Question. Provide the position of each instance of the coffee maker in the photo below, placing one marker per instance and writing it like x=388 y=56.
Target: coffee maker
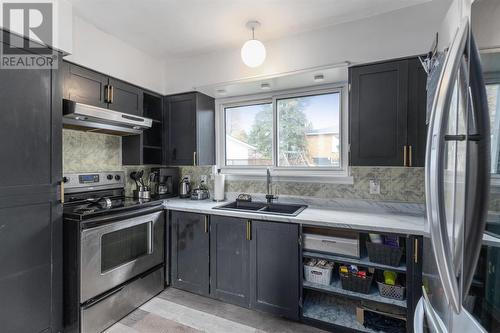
x=164 y=181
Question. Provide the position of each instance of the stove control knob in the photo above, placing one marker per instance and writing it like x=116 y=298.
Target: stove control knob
x=117 y=177
x=110 y=177
x=65 y=179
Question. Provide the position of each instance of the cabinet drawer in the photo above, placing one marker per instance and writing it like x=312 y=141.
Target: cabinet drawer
x=330 y=244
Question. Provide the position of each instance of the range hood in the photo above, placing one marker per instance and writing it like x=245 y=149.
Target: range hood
x=90 y=118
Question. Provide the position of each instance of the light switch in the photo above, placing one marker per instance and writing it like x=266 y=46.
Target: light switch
x=374 y=186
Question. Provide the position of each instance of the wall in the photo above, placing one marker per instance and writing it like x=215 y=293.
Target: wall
x=486 y=23
x=102 y=52
x=404 y=32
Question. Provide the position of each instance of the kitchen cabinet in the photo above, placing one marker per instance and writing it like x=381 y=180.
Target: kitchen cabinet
x=86 y=86
x=190 y=127
x=146 y=148
x=30 y=206
x=125 y=97
x=254 y=264
x=190 y=252
x=230 y=259
x=387 y=114
x=417 y=113
x=274 y=268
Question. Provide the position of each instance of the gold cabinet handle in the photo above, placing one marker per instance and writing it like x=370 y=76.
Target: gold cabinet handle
x=409 y=156
x=62 y=191
x=405 y=153
x=112 y=97
x=415 y=254
x=249 y=230
x=194 y=158
x=206 y=224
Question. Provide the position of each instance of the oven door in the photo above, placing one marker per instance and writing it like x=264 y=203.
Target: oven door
x=115 y=252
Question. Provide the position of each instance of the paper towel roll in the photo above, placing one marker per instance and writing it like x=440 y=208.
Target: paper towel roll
x=219 y=187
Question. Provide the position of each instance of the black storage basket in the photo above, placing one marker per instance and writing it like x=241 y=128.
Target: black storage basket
x=384 y=254
x=356 y=283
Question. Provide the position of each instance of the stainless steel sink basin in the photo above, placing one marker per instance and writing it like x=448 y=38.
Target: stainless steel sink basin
x=264 y=208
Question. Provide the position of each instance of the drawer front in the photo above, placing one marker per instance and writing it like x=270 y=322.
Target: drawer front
x=335 y=245
x=104 y=313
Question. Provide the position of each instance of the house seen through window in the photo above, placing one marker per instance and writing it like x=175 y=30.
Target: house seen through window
x=297 y=131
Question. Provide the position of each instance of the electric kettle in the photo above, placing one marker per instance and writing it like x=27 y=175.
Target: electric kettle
x=185 y=188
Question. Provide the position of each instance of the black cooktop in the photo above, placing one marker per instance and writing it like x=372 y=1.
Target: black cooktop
x=85 y=209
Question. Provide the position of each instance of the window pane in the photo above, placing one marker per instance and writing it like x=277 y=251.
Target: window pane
x=308 y=131
x=493 y=92
x=249 y=135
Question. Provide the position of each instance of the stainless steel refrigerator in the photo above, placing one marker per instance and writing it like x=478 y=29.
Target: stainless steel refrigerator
x=460 y=284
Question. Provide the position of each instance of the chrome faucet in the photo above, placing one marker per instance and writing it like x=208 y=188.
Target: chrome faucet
x=270 y=196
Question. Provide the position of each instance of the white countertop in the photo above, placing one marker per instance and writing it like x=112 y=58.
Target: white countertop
x=316 y=216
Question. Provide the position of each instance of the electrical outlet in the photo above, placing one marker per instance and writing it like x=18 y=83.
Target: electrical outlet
x=203 y=178
x=188 y=177
x=374 y=186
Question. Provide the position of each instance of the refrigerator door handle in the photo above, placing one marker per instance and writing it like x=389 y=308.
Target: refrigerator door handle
x=434 y=172
x=478 y=168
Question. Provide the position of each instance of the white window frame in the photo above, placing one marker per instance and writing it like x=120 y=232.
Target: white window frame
x=296 y=174
x=493 y=78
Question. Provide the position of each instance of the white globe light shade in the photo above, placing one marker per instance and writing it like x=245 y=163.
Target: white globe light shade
x=253 y=53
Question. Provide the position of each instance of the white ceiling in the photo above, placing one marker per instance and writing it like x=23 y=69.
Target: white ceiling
x=179 y=28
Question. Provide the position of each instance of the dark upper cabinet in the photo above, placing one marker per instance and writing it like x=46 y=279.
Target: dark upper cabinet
x=84 y=86
x=125 y=97
x=387 y=123
x=230 y=260
x=190 y=252
x=417 y=113
x=30 y=207
x=274 y=267
x=190 y=127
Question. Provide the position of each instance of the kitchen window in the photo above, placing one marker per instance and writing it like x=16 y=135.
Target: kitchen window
x=298 y=134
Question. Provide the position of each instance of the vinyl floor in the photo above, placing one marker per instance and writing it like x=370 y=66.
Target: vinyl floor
x=176 y=311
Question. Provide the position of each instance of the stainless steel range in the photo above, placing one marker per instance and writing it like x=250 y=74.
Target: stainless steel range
x=113 y=251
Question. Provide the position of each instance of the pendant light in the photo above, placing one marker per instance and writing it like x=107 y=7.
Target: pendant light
x=253 y=52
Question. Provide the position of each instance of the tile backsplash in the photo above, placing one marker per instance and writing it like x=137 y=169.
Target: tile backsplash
x=91 y=152
x=396 y=184
x=85 y=151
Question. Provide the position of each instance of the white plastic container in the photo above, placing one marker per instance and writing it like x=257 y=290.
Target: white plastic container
x=318 y=275
x=330 y=244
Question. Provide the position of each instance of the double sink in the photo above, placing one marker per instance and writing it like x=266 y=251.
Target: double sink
x=263 y=208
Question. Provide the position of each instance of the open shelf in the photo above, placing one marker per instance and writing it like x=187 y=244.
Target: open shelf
x=365 y=262
x=332 y=311
x=335 y=288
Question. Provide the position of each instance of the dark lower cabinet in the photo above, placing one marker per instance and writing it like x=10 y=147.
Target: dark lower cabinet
x=254 y=264
x=30 y=209
x=230 y=260
x=274 y=267
x=190 y=252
